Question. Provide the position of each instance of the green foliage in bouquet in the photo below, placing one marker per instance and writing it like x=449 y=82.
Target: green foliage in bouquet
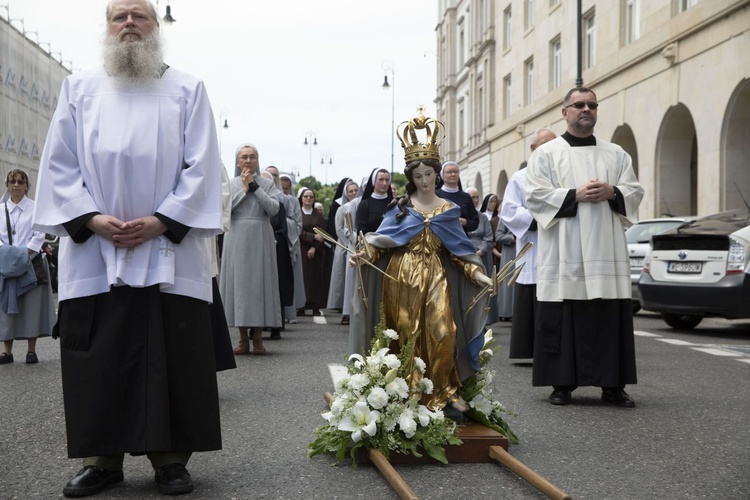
x=479 y=394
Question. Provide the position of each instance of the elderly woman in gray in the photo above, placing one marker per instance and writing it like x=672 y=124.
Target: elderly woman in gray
x=248 y=280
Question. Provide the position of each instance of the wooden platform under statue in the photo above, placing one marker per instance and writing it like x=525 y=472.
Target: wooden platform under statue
x=476 y=448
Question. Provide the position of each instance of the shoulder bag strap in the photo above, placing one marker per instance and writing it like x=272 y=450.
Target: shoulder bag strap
x=7 y=222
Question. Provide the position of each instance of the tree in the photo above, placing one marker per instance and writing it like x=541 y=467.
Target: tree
x=399 y=180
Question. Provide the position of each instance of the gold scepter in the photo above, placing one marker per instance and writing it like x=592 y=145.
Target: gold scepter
x=506 y=271
x=330 y=238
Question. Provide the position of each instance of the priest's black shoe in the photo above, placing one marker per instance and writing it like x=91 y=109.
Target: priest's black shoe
x=617 y=397
x=560 y=397
x=173 y=479
x=91 y=480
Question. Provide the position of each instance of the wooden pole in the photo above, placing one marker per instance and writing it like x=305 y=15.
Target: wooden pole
x=384 y=466
x=537 y=481
x=389 y=473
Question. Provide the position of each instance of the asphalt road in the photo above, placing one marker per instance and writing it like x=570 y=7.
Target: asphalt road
x=687 y=438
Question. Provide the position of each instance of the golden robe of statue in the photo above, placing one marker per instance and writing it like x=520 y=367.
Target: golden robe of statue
x=419 y=301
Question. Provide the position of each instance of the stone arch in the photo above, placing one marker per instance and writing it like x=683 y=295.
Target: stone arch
x=479 y=185
x=676 y=163
x=625 y=138
x=735 y=149
x=502 y=183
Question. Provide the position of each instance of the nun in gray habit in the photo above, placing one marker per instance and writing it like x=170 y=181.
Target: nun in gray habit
x=249 y=280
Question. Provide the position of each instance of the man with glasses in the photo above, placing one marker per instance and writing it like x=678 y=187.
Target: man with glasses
x=582 y=192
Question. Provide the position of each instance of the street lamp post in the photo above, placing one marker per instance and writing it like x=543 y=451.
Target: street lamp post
x=388 y=67
x=326 y=160
x=168 y=16
x=313 y=141
x=223 y=114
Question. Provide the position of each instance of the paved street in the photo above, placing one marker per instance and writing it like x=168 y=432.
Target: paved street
x=688 y=437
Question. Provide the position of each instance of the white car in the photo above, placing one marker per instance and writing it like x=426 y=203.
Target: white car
x=638 y=237
x=698 y=270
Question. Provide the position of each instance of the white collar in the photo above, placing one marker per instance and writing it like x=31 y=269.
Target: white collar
x=304 y=211
x=379 y=196
x=450 y=190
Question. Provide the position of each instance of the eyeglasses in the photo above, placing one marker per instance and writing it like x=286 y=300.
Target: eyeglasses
x=308 y=196
x=248 y=157
x=583 y=104
x=17 y=181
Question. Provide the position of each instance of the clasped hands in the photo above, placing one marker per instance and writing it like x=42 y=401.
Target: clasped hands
x=247 y=179
x=126 y=234
x=594 y=191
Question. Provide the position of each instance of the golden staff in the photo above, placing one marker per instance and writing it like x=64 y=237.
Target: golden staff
x=506 y=271
x=330 y=238
x=352 y=236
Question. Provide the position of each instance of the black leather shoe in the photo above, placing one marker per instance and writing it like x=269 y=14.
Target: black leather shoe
x=560 y=397
x=31 y=358
x=275 y=334
x=6 y=358
x=617 y=397
x=173 y=479
x=91 y=480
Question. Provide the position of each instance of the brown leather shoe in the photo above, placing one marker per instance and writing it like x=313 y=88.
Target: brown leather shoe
x=258 y=347
x=242 y=348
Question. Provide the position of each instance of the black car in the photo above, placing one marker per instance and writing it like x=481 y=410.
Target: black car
x=698 y=270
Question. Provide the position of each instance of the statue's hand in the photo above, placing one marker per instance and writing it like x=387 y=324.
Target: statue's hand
x=482 y=278
x=356 y=257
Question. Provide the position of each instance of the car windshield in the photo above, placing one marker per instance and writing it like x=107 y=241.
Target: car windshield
x=643 y=231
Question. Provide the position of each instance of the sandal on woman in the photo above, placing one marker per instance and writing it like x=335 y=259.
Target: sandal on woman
x=345 y=320
x=242 y=348
x=258 y=347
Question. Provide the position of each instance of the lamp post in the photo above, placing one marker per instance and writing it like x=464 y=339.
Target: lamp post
x=326 y=160
x=223 y=114
x=168 y=16
x=310 y=141
x=388 y=67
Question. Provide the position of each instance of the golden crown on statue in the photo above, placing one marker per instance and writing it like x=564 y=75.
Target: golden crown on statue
x=413 y=148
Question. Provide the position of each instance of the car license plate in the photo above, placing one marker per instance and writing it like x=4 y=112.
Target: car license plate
x=684 y=267
x=636 y=261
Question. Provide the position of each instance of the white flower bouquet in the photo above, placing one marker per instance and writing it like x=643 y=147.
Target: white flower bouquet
x=374 y=407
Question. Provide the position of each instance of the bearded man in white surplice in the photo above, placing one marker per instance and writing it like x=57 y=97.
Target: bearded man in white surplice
x=129 y=180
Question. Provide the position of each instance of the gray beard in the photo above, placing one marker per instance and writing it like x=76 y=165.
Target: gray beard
x=134 y=64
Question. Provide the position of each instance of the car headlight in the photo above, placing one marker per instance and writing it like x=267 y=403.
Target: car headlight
x=736 y=257
x=647 y=259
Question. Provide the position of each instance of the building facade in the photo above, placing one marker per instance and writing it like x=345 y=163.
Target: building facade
x=672 y=78
x=30 y=81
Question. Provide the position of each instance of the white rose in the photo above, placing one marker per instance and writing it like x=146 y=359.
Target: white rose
x=426 y=386
x=377 y=398
x=392 y=361
x=359 y=381
x=407 y=424
x=420 y=364
x=398 y=387
x=391 y=334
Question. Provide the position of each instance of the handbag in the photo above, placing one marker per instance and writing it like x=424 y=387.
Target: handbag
x=40 y=270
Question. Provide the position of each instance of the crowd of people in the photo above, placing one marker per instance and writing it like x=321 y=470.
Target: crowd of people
x=161 y=253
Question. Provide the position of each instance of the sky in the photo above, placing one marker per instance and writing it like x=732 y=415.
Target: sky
x=280 y=71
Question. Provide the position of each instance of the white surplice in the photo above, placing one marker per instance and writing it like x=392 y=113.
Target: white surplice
x=518 y=219
x=129 y=153
x=582 y=257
